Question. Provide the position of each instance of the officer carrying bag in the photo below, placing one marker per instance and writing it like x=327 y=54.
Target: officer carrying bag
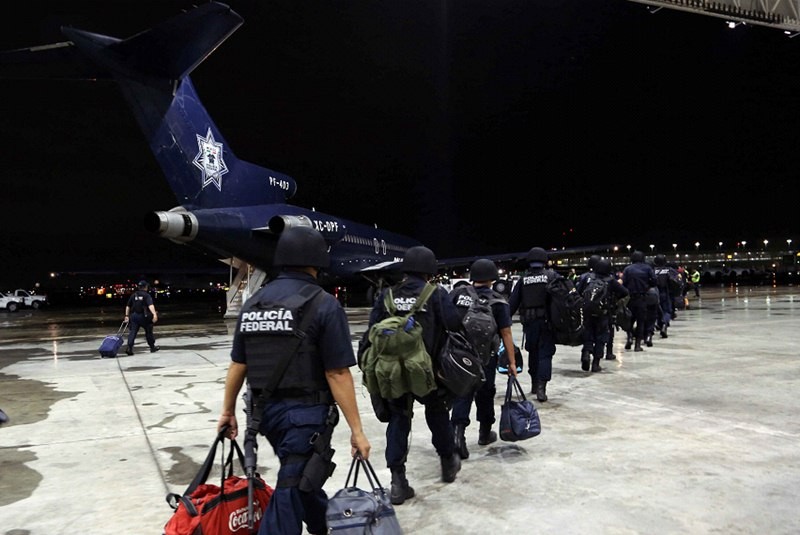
x=285 y=322
x=396 y=361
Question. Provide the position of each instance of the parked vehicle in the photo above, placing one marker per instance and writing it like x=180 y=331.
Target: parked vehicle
x=10 y=302
x=29 y=299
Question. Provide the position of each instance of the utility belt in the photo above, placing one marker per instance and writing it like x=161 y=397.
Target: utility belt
x=303 y=396
x=528 y=314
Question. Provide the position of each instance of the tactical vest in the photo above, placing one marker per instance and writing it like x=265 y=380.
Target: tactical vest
x=271 y=333
x=662 y=277
x=138 y=305
x=534 y=289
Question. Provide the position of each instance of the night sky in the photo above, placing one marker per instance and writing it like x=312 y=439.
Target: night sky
x=476 y=127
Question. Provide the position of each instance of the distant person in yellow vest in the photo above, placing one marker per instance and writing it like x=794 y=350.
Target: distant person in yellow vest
x=696 y=282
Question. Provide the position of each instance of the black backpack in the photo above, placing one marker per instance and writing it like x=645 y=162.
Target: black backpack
x=480 y=325
x=596 y=300
x=565 y=312
x=459 y=368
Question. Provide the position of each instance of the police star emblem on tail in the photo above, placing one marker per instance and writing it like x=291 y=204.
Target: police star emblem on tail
x=209 y=160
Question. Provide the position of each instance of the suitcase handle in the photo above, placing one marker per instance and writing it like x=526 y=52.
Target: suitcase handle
x=122 y=328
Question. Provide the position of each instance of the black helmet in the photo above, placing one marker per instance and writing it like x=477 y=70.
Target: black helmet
x=592 y=263
x=660 y=260
x=143 y=284
x=602 y=266
x=419 y=259
x=637 y=256
x=302 y=246
x=483 y=270
x=538 y=256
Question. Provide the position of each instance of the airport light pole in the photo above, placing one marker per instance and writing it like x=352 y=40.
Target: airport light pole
x=674 y=247
x=652 y=247
x=696 y=245
x=765 y=244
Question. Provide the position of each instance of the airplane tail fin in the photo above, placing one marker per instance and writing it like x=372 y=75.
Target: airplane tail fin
x=152 y=69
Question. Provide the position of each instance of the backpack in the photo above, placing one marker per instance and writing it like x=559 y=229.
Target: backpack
x=396 y=361
x=623 y=317
x=675 y=283
x=480 y=326
x=565 y=312
x=459 y=367
x=595 y=296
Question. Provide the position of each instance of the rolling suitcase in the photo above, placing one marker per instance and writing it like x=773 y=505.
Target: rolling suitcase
x=113 y=342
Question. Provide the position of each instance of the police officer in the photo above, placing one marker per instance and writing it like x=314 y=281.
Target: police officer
x=666 y=299
x=529 y=296
x=301 y=407
x=586 y=351
x=482 y=273
x=141 y=312
x=596 y=327
x=437 y=315
x=638 y=277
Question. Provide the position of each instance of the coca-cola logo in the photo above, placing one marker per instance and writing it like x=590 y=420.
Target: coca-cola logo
x=238 y=518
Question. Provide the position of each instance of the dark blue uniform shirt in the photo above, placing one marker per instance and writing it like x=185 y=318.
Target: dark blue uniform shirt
x=328 y=331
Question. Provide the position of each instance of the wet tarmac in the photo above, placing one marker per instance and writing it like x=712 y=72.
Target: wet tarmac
x=697 y=434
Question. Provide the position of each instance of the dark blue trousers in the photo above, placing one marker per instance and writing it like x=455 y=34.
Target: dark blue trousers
x=139 y=320
x=437 y=416
x=289 y=427
x=541 y=346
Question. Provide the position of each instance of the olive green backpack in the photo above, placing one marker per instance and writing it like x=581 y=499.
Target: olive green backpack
x=396 y=361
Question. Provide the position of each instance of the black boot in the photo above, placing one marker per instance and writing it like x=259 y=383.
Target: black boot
x=638 y=345
x=628 y=343
x=610 y=355
x=541 y=390
x=450 y=467
x=129 y=351
x=664 y=331
x=401 y=490
x=486 y=435
x=584 y=360
x=649 y=340
x=461 y=442
x=596 y=364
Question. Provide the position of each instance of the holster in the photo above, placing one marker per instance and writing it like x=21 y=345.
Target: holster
x=320 y=466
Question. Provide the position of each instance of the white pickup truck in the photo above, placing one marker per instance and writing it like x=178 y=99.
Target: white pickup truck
x=9 y=302
x=28 y=299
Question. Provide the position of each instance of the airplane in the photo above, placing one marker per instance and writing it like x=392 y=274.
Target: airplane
x=228 y=207
x=780 y=14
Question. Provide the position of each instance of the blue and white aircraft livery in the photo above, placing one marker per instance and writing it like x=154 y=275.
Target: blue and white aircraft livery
x=227 y=207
